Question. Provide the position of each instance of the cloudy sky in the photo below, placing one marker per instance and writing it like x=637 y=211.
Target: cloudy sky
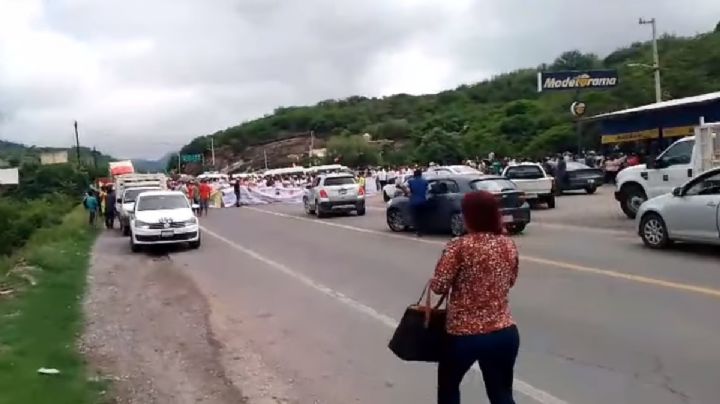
x=145 y=76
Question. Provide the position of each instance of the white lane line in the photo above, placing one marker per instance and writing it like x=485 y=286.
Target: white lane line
x=520 y=386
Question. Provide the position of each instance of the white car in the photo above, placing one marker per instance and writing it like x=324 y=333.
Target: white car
x=453 y=170
x=163 y=217
x=539 y=187
x=390 y=190
x=690 y=213
x=334 y=193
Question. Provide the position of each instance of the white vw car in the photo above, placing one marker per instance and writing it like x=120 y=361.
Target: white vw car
x=163 y=217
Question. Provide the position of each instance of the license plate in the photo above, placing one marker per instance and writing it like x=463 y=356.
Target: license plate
x=591 y=181
x=507 y=218
x=342 y=191
x=167 y=233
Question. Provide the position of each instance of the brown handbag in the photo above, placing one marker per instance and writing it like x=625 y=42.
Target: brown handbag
x=420 y=334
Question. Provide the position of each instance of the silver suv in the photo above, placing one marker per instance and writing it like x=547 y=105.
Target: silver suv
x=334 y=193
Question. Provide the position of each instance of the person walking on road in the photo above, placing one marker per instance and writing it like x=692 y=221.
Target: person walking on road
x=478 y=270
x=236 y=187
x=418 y=188
x=204 y=191
x=110 y=197
x=92 y=206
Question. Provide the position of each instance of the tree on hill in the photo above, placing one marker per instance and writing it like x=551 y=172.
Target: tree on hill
x=353 y=151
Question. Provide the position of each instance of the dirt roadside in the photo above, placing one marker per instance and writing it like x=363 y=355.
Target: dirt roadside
x=148 y=331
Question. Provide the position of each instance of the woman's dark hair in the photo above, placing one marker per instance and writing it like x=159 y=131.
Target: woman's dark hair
x=481 y=211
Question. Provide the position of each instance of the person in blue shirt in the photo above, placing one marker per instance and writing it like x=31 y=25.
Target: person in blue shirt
x=91 y=205
x=418 y=188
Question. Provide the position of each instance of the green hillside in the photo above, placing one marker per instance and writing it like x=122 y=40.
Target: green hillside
x=504 y=114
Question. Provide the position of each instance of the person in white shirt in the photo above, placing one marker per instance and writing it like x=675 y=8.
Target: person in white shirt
x=382 y=177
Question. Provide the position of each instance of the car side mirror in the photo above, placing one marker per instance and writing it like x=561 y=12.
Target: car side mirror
x=677 y=191
x=119 y=200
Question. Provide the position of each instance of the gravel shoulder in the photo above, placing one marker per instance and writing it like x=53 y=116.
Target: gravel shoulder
x=148 y=330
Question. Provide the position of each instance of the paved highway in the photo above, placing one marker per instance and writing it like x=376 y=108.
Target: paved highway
x=602 y=319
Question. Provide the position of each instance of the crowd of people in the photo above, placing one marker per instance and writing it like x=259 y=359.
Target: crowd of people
x=100 y=202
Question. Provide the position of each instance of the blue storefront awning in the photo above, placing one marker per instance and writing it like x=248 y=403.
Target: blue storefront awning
x=675 y=118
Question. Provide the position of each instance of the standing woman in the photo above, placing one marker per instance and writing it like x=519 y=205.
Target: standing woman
x=478 y=270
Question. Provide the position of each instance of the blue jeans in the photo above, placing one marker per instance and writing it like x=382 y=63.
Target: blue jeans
x=495 y=353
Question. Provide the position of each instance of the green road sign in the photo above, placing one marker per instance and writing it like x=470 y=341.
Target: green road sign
x=191 y=158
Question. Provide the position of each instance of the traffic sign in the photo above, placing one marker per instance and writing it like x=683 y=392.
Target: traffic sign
x=191 y=158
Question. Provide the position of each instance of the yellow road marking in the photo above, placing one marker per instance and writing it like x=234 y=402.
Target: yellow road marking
x=622 y=275
x=543 y=261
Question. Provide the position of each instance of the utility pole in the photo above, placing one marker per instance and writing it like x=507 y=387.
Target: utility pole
x=265 y=155
x=312 y=146
x=77 y=143
x=95 y=158
x=656 y=57
x=212 y=150
x=179 y=164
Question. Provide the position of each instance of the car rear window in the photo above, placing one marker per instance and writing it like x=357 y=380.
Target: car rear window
x=572 y=166
x=524 y=172
x=493 y=185
x=339 y=181
x=465 y=170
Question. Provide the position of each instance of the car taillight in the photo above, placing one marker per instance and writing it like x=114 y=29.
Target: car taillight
x=323 y=194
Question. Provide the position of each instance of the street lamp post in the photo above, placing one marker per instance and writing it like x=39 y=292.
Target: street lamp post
x=656 y=57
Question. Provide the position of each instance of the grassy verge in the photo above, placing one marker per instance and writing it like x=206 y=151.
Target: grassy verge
x=40 y=323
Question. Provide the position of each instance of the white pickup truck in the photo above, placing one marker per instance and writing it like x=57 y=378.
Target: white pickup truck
x=531 y=178
x=683 y=160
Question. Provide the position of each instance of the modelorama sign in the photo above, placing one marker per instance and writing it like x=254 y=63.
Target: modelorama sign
x=577 y=80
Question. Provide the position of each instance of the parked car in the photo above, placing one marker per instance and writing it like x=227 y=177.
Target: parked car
x=163 y=217
x=337 y=192
x=444 y=213
x=539 y=187
x=390 y=190
x=579 y=177
x=690 y=213
x=126 y=205
x=453 y=170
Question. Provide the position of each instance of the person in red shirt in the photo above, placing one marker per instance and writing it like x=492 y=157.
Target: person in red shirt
x=205 y=191
x=478 y=270
x=633 y=160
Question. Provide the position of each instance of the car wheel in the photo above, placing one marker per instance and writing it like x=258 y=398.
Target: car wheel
x=319 y=212
x=590 y=190
x=308 y=209
x=550 y=202
x=653 y=231
x=386 y=197
x=516 y=228
x=457 y=225
x=634 y=196
x=136 y=248
x=395 y=220
x=195 y=244
x=361 y=210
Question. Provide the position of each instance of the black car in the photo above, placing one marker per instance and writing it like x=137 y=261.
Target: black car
x=443 y=212
x=579 y=176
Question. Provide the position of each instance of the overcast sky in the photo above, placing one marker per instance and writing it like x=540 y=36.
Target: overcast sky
x=143 y=77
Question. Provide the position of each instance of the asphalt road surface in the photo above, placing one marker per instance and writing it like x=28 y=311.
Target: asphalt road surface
x=602 y=319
